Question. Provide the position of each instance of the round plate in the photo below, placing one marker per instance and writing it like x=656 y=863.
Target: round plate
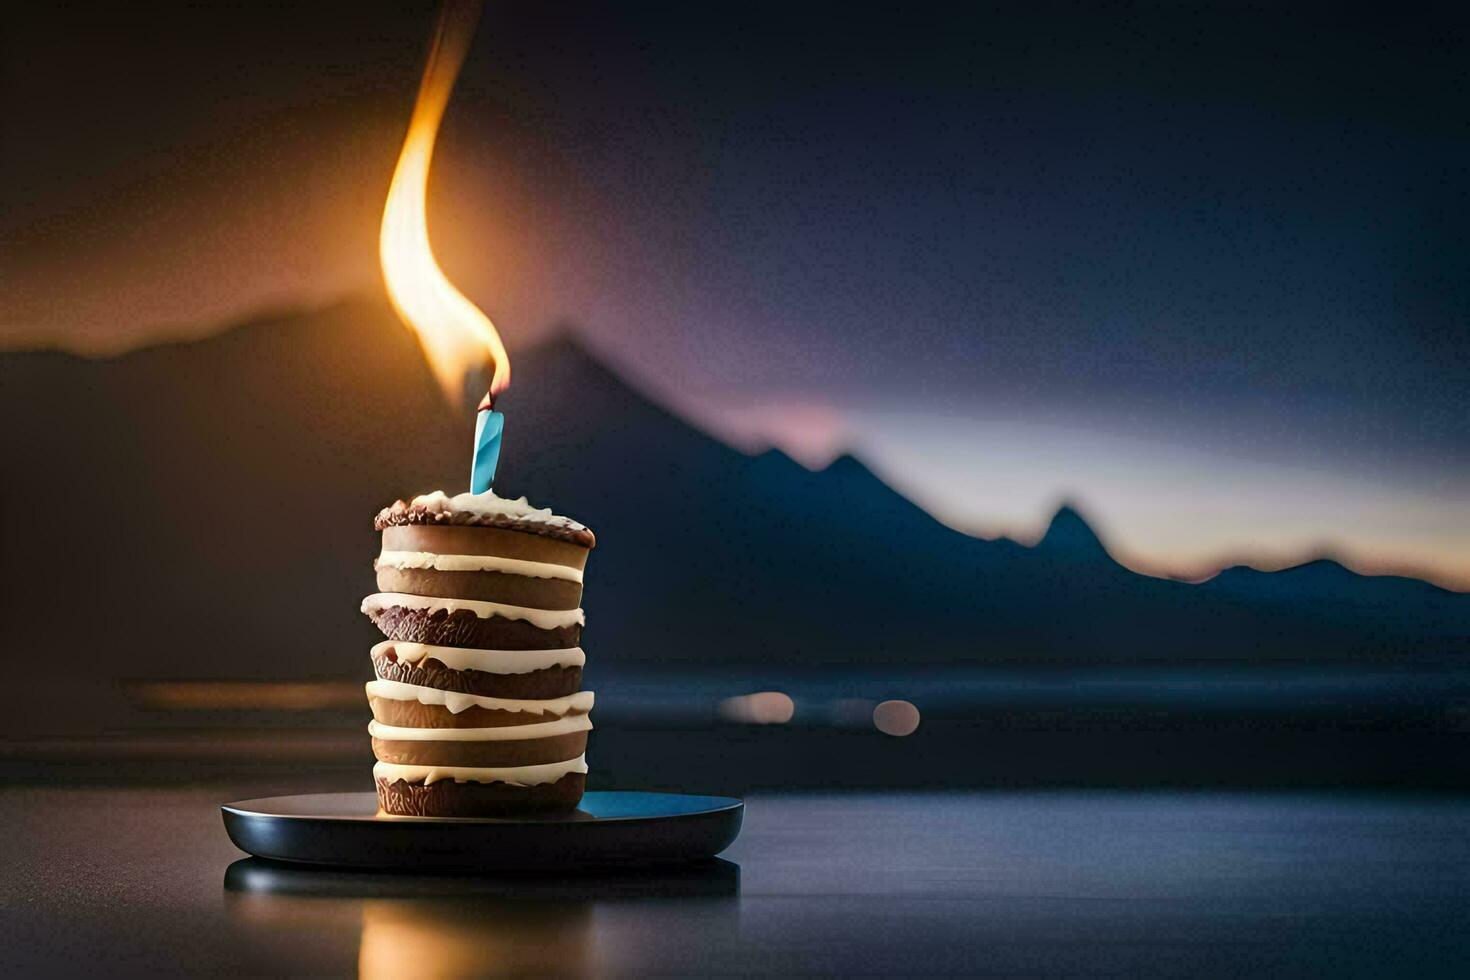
x=344 y=830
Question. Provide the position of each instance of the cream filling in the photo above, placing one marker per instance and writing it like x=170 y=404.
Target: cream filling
x=503 y=733
x=580 y=702
x=548 y=772
x=546 y=619
x=489 y=661
x=488 y=504
x=478 y=563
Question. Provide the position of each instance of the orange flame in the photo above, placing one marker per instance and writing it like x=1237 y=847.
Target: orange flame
x=456 y=336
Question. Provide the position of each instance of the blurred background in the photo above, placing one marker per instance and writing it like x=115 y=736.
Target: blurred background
x=1024 y=396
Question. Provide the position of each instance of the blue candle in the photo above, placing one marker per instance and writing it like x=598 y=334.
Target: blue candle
x=489 y=425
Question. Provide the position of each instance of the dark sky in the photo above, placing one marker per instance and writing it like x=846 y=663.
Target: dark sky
x=1204 y=269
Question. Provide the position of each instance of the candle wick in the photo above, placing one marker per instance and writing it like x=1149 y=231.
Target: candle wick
x=487 y=403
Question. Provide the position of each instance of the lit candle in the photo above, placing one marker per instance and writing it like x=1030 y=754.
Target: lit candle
x=455 y=334
x=489 y=424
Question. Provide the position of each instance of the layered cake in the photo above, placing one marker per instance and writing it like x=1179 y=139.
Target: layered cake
x=477 y=702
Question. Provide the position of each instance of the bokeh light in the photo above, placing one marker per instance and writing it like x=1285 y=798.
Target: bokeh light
x=898 y=718
x=760 y=708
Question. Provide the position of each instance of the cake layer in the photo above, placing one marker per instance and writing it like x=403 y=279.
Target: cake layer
x=417 y=714
x=496 y=587
x=545 y=619
x=483 y=510
x=431 y=621
x=552 y=682
x=547 y=709
x=478 y=754
x=495 y=733
x=513 y=775
x=476 y=563
x=524 y=674
x=493 y=542
x=448 y=798
x=487 y=661
x=410 y=706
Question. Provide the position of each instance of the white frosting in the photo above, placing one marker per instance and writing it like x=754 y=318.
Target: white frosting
x=502 y=733
x=488 y=504
x=490 y=661
x=546 y=619
x=478 y=563
x=580 y=702
x=548 y=772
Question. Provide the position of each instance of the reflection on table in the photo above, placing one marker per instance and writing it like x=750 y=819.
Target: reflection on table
x=456 y=926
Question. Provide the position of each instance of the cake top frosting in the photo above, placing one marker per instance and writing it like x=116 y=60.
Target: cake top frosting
x=484 y=510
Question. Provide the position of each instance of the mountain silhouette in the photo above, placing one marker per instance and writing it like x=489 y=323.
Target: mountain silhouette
x=1070 y=537
x=204 y=509
x=1323 y=579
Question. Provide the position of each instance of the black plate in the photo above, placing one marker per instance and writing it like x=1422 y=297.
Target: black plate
x=611 y=829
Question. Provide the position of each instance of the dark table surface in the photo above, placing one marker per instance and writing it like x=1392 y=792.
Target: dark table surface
x=128 y=880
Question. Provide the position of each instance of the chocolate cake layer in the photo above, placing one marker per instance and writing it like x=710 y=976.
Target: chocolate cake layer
x=513 y=590
x=441 y=539
x=537 y=685
x=402 y=513
x=447 y=798
x=463 y=628
x=516 y=752
x=415 y=714
x=496 y=585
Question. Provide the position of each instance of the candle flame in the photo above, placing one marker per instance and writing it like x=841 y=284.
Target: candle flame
x=455 y=335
